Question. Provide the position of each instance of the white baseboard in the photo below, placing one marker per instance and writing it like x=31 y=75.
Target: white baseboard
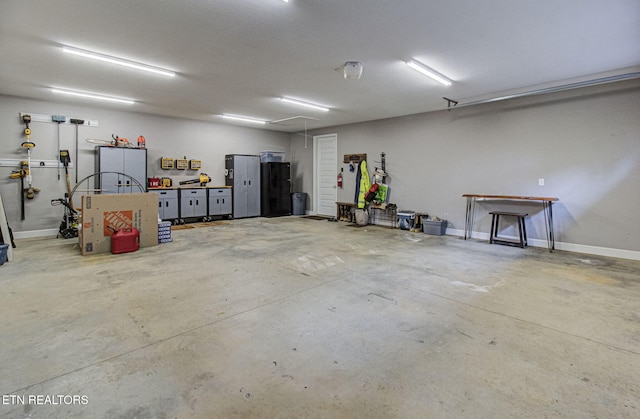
x=600 y=251
x=35 y=233
x=569 y=247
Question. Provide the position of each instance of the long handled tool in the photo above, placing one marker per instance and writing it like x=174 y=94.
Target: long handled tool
x=66 y=159
x=25 y=168
x=76 y=122
x=30 y=191
x=58 y=119
x=21 y=174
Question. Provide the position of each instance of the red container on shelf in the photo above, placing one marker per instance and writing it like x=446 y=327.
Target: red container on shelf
x=153 y=182
x=125 y=240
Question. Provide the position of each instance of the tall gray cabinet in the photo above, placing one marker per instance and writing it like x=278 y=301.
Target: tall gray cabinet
x=118 y=161
x=242 y=172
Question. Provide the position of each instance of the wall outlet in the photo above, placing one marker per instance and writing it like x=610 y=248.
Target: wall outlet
x=540 y=182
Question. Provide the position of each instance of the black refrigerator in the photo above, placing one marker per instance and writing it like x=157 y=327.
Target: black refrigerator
x=275 y=189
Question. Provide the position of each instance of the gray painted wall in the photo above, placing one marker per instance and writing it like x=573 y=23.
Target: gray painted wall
x=168 y=137
x=585 y=144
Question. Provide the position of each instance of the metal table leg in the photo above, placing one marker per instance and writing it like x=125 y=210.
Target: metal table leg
x=548 y=215
x=469 y=216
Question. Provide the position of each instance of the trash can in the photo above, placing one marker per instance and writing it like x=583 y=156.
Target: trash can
x=299 y=203
x=3 y=253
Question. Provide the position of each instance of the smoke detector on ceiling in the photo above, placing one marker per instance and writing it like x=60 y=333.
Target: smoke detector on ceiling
x=352 y=70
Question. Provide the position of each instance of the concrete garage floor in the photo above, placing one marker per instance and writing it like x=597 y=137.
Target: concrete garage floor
x=300 y=318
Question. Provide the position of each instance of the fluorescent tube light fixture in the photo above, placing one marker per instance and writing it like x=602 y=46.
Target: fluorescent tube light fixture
x=243 y=118
x=92 y=96
x=119 y=61
x=305 y=104
x=424 y=70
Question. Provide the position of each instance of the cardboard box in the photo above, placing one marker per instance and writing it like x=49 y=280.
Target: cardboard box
x=139 y=210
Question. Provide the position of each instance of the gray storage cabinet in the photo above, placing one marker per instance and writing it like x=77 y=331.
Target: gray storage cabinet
x=129 y=161
x=168 y=204
x=242 y=172
x=193 y=203
x=220 y=201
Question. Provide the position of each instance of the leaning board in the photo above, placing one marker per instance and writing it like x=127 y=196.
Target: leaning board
x=4 y=227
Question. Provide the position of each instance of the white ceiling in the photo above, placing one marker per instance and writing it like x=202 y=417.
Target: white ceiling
x=239 y=57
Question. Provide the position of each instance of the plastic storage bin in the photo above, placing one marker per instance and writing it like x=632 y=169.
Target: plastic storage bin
x=271 y=157
x=406 y=219
x=3 y=253
x=436 y=228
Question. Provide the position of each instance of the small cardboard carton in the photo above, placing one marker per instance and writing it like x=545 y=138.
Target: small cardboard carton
x=99 y=212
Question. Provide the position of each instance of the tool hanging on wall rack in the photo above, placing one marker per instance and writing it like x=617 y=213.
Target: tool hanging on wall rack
x=76 y=122
x=25 y=167
x=65 y=159
x=24 y=172
x=58 y=119
x=380 y=175
x=30 y=192
x=21 y=174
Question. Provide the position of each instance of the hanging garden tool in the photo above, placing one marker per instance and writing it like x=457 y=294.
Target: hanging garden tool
x=58 y=119
x=76 y=122
x=65 y=159
x=30 y=191
x=21 y=174
x=69 y=224
x=24 y=172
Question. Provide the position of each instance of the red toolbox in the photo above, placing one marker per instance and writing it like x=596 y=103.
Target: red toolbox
x=125 y=240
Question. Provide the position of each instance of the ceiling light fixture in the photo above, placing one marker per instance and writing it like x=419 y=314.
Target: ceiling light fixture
x=243 y=118
x=352 y=70
x=423 y=69
x=305 y=104
x=119 y=61
x=92 y=96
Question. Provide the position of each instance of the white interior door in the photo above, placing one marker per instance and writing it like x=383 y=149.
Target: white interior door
x=325 y=149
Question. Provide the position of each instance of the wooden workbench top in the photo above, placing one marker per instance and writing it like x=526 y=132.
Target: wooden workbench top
x=525 y=198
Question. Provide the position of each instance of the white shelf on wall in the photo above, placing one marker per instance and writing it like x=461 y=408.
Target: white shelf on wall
x=36 y=117
x=35 y=163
